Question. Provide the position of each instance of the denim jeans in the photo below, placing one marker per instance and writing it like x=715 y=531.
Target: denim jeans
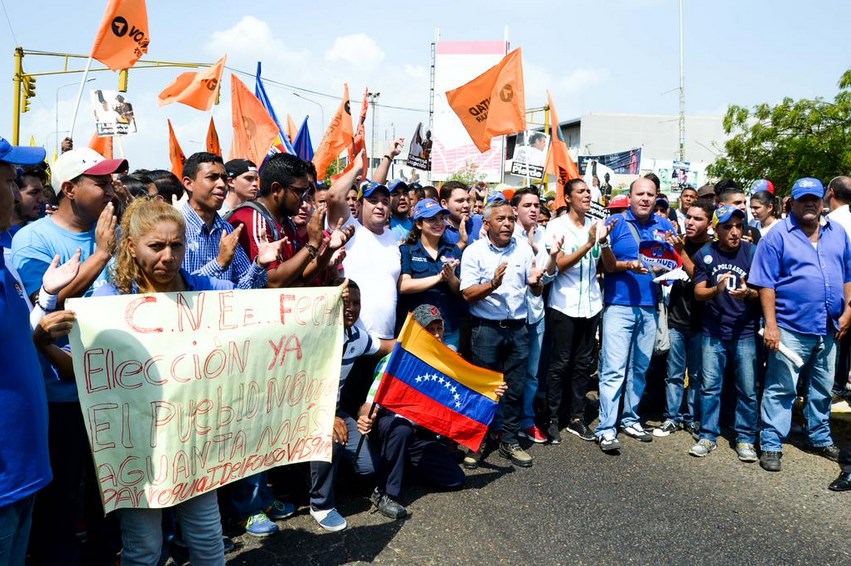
x=248 y=496
x=781 y=380
x=200 y=526
x=324 y=474
x=504 y=349
x=15 y=523
x=685 y=354
x=629 y=334
x=717 y=353
x=536 y=341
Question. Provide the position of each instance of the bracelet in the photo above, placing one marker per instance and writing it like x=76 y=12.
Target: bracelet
x=605 y=245
x=46 y=301
x=388 y=158
x=312 y=250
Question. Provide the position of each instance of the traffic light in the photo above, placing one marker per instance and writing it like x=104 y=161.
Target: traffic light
x=122 y=80
x=28 y=83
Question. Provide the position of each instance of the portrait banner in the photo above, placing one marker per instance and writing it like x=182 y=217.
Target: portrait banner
x=183 y=393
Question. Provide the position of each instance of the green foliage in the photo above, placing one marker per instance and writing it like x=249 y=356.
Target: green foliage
x=787 y=141
x=335 y=167
x=468 y=174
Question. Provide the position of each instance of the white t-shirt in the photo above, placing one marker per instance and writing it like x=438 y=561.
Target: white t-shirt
x=842 y=216
x=374 y=263
x=575 y=292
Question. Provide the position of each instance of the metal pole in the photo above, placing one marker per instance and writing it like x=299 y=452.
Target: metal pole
x=682 y=92
x=80 y=96
x=321 y=109
x=372 y=97
x=17 y=79
x=57 y=111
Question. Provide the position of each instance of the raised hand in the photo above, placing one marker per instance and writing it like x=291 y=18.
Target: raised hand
x=53 y=326
x=57 y=277
x=105 y=230
x=227 y=247
x=499 y=274
x=340 y=236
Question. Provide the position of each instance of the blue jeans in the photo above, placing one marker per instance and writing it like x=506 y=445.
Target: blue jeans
x=781 y=381
x=536 y=341
x=629 y=334
x=249 y=496
x=504 y=349
x=200 y=525
x=15 y=523
x=685 y=353
x=716 y=354
x=324 y=474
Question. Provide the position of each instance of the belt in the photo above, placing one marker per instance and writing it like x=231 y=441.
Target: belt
x=504 y=323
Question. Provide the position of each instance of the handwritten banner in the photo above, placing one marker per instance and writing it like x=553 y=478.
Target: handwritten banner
x=183 y=393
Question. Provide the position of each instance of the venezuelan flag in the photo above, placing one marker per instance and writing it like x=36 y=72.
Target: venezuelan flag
x=427 y=382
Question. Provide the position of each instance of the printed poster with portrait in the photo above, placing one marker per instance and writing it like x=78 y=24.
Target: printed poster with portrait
x=113 y=113
x=419 y=152
x=530 y=155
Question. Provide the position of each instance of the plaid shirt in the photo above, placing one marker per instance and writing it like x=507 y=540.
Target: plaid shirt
x=202 y=249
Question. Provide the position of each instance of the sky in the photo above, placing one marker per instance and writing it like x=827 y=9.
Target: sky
x=614 y=56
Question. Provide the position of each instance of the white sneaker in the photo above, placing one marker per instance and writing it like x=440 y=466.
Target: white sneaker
x=329 y=519
x=636 y=431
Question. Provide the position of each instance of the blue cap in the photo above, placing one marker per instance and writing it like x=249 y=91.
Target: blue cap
x=495 y=197
x=428 y=208
x=807 y=186
x=398 y=185
x=724 y=213
x=366 y=191
x=20 y=155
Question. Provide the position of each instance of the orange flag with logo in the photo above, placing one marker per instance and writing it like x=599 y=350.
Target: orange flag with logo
x=101 y=145
x=175 y=154
x=254 y=130
x=359 y=138
x=213 y=145
x=195 y=89
x=338 y=136
x=122 y=38
x=559 y=162
x=493 y=103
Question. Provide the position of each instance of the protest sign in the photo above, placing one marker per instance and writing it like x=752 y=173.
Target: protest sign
x=113 y=113
x=530 y=155
x=419 y=153
x=183 y=393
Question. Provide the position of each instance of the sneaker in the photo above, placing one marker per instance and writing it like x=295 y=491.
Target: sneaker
x=329 y=519
x=553 y=433
x=668 y=427
x=517 y=455
x=703 y=447
x=637 y=431
x=609 y=443
x=831 y=451
x=579 y=428
x=260 y=525
x=534 y=434
x=280 y=510
x=472 y=459
x=770 y=461
x=386 y=505
x=693 y=428
x=746 y=452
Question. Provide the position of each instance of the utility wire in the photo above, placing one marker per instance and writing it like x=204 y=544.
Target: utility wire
x=8 y=21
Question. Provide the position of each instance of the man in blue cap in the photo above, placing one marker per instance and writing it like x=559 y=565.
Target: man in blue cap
x=803 y=270
x=23 y=406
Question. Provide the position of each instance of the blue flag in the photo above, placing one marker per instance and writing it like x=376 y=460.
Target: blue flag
x=302 y=144
x=260 y=93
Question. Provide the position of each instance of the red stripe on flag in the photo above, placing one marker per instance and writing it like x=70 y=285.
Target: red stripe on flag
x=410 y=403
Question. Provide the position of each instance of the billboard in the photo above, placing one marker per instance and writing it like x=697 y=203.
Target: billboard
x=455 y=64
x=623 y=162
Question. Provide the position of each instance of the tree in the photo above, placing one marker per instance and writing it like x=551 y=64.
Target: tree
x=468 y=174
x=793 y=139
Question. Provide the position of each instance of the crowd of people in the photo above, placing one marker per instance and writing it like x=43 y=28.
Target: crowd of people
x=554 y=299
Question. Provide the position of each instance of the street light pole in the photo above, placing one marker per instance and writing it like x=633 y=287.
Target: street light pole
x=321 y=109
x=56 y=148
x=372 y=97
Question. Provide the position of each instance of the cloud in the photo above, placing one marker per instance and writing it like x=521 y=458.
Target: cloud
x=358 y=49
x=252 y=39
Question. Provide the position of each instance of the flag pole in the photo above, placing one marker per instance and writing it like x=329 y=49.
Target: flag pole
x=363 y=436
x=80 y=96
x=120 y=146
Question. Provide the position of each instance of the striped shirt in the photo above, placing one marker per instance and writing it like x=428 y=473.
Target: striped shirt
x=576 y=291
x=202 y=249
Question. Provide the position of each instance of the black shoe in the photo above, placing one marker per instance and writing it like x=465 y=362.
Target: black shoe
x=517 y=455
x=553 y=433
x=842 y=483
x=693 y=428
x=579 y=428
x=831 y=452
x=387 y=506
x=770 y=461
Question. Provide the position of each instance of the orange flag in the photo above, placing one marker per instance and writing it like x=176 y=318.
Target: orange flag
x=213 y=145
x=292 y=130
x=195 y=89
x=123 y=35
x=559 y=162
x=254 y=130
x=359 y=139
x=493 y=103
x=338 y=136
x=101 y=145
x=175 y=154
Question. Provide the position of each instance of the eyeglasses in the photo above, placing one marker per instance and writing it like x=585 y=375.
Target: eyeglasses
x=305 y=191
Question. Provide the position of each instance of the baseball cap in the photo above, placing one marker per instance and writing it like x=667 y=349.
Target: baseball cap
x=762 y=185
x=237 y=167
x=398 y=185
x=20 y=155
x=428 y=208
x=426 y=314
x=807 y=186
x=662 y=200
x=706 y=190
x=83 y=161
x=724 y=213
x=367 y=190
x=620 y=201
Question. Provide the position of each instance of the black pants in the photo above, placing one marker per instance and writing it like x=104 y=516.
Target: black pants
x=571 y=361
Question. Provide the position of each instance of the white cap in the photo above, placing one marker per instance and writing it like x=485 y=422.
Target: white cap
x=76 y=162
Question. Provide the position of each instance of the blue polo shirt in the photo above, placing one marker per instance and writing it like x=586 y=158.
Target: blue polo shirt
x=479 y=263
x=474 y=226
x=625 y=287
x=418 y=263
x=808 y=280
